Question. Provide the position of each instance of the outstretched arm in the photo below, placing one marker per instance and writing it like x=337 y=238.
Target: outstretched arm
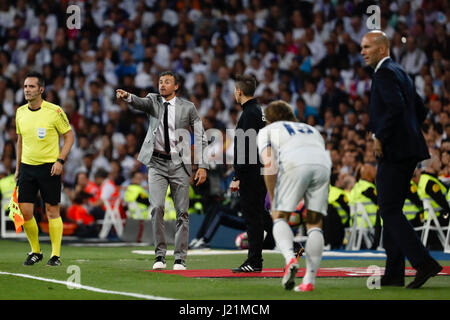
x=142 y=104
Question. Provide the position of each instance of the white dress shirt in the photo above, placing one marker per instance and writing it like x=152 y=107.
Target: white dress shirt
x=159 y=139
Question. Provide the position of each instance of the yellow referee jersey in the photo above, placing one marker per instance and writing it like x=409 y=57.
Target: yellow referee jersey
x=40 y=131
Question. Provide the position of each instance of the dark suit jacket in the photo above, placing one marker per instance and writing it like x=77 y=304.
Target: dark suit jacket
x=396 y=114
x=245 y=147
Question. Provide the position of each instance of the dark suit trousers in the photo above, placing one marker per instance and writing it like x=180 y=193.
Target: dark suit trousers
x=252 y=192
x=399 y=238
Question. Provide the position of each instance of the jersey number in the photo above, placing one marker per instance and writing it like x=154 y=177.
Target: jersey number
x=298 y=127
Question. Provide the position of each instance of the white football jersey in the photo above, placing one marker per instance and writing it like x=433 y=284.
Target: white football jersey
x=294 y=144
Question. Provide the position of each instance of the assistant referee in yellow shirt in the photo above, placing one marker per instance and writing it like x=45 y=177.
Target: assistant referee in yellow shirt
x=40 y=163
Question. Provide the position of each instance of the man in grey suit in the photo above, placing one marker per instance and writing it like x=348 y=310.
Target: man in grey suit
x=166 y=152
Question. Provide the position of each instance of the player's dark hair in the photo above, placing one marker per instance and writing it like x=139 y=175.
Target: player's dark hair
x=40 y=77
x=247 y=84
x=279 y=110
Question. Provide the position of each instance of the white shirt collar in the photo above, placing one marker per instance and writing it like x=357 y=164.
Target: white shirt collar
x=171 y=101
x=380 y=63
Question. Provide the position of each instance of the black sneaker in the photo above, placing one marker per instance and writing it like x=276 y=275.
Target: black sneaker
x=247 y=267
x=54 y=262
x=33 y=258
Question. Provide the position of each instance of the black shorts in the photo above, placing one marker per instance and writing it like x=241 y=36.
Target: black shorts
x=37 y=178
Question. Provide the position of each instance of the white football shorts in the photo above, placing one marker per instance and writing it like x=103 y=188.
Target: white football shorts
x=309 y=182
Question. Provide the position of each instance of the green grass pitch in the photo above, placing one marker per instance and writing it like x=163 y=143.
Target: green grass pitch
x=117 y=270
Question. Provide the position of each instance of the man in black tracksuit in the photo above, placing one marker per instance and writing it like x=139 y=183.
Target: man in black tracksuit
x=248 y=179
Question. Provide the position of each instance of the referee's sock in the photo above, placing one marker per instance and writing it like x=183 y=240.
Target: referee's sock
x=55 y=228
x=284 y=238
x=32 y=231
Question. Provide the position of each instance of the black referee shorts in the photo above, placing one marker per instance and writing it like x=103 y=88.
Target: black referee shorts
x=37 y=178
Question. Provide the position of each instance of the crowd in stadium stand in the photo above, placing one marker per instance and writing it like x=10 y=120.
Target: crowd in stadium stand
x=304 y=52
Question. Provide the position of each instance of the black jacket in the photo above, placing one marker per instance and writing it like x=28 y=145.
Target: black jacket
x=246 y=158
x=397 y=113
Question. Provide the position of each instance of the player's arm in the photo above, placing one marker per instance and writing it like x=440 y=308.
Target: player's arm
x=19 y=155
x=270 y=172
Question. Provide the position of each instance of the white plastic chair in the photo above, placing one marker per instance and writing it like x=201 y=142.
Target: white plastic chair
x=362 y=231
x=427 y=226
x=112 y=218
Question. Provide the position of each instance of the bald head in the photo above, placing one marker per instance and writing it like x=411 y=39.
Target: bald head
x=379 y=37
x=374 y=47
x=368 y=172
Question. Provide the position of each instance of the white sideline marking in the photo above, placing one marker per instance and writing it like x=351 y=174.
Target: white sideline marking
x=88 y=288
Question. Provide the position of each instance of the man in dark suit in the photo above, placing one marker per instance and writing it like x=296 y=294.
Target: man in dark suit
x=396 y=114
x=248 y=179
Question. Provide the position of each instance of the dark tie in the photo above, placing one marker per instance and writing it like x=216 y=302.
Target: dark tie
x=166 y=128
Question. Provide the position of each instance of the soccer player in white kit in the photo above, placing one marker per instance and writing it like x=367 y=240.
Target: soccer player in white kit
x=296 y=166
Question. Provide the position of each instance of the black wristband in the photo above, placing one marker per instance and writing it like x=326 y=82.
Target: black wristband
x=60 y=161
x=235 y=178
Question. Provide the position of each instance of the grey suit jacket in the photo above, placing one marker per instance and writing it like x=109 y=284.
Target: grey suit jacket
x=186 y=119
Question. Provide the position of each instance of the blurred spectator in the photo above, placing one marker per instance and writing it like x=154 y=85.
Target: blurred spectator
x=108 y=191
x=414 y=58
x=302 y=51
x=332 y=97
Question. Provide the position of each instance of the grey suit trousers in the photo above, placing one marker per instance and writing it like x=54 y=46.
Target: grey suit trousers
x=161 y=174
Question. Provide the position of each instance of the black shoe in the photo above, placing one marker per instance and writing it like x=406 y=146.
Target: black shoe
x=247 y=267
x=33 y=258
x=425 y=272
x=54 y=262
x=392 y=282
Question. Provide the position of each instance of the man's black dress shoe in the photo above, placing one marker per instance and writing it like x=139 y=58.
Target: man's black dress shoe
x=425 y=272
